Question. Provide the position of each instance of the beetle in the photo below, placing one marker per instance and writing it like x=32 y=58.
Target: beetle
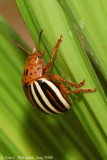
x=44 y=90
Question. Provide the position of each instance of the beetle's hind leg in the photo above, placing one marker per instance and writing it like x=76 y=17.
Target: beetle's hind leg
x=81 y=91
x=67 y=91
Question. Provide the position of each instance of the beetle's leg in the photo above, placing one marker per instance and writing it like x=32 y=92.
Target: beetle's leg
x=81 y=91
x=47 y=71
x=53 y=55
x=66 y=90
x=69 y=83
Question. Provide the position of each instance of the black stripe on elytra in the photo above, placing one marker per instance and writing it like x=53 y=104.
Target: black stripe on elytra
x=26 y=72
x=45 y=87
x=34 y=99
x=41 y=99
x=60 y=91
x=25 y=91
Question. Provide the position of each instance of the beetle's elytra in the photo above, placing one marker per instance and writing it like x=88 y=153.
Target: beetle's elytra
x=43 y=89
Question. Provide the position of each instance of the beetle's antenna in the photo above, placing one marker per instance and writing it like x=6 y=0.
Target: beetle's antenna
x=21 y=47
x=39 y=39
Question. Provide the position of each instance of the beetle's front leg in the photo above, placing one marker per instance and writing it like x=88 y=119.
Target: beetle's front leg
x=53 y=55
x=69 y=83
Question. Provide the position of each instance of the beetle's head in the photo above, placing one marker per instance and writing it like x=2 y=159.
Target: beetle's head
x=35 y=57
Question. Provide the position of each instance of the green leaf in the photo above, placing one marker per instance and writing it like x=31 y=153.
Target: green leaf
x=92 y=24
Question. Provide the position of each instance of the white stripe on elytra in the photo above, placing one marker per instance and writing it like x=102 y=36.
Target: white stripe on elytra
x=37 y=100
x=58 y=93
x=45 y=98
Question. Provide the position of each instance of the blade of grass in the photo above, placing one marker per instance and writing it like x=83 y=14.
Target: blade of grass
x=92 y=24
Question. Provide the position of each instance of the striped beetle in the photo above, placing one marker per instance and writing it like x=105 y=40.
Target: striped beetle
x=43 y=89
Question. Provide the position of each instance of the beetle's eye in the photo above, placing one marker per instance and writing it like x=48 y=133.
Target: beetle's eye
x=37 y=57
x=34 y=50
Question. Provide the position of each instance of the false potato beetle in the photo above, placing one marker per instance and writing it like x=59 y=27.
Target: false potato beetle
x=43 y=89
